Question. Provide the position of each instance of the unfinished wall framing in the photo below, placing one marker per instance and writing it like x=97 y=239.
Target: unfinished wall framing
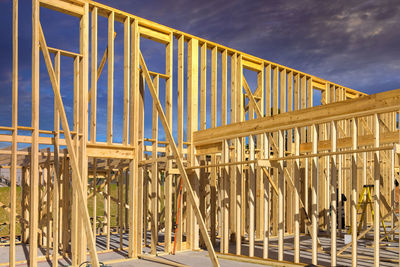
x=243 y=163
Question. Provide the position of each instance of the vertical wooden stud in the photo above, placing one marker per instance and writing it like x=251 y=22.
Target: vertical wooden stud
x=377 y=175
x=354 y=134
x=93 y=72
x=333 y=192
x=314 y=195
x=34 y=197
x=14 y=145
x=110 y=78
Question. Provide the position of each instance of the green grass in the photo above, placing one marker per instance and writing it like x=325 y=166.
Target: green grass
x=4 y=215
x=100 y=205
x=5 y=199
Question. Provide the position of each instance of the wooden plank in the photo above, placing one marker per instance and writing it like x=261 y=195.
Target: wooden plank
x=296 y=96
x=57 y=174
x=179 y=163
x=317 y=84
x=154 y=174
x=268 y=91
x=76 y=178
x=249 y=197
x=74 y=201
x=63 y=7
x=65 y=204
x=333 y=192
x=397 y=150
x=127 y=73
x=353 y=206
x=314 y=196
x=252 y=193
x=214 y=84
x=34 y=197
x=378 y=103
x=180 y=76
x=48 y=193
x=260 y=152
x=233 y=182
x=303 y=102
x=25 y=176
x=135 y=237
x=251 y=98
x=110 y=152
x=94 y=77
x=101 y=66
x=203 y=87
x=169 y=52
x=282 y=89
x=275 y=91
x=310 y=103
x=110 y=79
x=94 y=198
x=377 y=175
x=121 y=205
x=83 y=123
x=281 y=192
x=64 y=52
x=225 y=200
x=260 y=146
x=141 y=189
x=107 y=205
x=239 y=90
x=290 y=168
x=252 y=65
x=233 y=88
x=154 y=35
x=192 y=125
x=214 y=191
x=346 y=142
x=239 y=154
x=266 y=199
x=14 y=145
x=297 y=197
x=224 y=87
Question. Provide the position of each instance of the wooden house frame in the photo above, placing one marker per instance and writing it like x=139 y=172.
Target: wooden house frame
x=255 y=164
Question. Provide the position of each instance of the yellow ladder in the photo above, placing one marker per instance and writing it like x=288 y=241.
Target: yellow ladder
x=363 y=203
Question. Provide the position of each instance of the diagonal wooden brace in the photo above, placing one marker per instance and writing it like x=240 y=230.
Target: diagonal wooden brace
x=100 y=68
x=251 y=97
x=76 y=178
x=179 y=162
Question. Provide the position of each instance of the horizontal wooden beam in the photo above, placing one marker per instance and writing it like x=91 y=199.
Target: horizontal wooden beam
x=252 y=65
x=63 y=6
x=154 y=35
x=110 y=152
x=366 y=140
x=363 y=106
x=64 y=52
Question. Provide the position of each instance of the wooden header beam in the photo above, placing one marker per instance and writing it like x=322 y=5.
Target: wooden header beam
x=67 y=7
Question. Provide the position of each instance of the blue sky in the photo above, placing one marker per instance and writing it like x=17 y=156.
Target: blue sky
x=353 y=43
